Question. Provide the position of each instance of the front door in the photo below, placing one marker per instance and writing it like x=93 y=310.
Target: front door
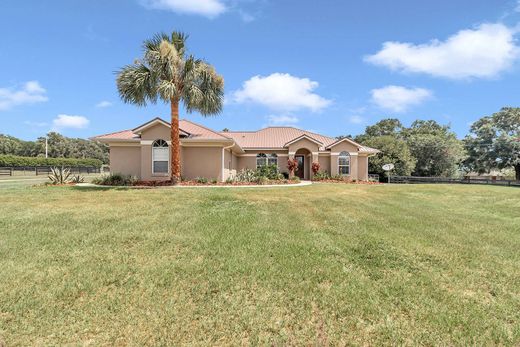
x=301 y=166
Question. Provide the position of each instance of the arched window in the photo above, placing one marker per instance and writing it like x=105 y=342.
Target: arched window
x=160 y=157
x=272 y=159
x=261 y=160
x=344 y=163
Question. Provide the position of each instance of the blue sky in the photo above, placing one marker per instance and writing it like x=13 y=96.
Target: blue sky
x=328 y=66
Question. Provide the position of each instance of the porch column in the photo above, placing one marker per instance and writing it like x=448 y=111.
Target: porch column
x=290 y=156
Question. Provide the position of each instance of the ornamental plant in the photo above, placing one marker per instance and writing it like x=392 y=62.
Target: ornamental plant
x=292 y=165
x=315 y=168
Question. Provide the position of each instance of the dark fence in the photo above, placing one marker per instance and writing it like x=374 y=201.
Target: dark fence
x=419 y=180
x=45 y=170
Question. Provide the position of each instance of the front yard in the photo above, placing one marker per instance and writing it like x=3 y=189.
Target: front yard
x=327 y=263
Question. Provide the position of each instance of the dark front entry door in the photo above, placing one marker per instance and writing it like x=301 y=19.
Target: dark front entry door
x=301 y=167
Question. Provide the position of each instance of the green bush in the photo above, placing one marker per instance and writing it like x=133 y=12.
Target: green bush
x=115 y=179
x=13 y=160
x=268 y=171
x=201 y=180
x=321 y=175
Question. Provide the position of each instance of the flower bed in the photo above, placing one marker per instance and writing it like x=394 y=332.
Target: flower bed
x=197 y=183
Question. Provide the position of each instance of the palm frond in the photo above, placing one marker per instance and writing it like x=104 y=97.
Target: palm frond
x=136 y=84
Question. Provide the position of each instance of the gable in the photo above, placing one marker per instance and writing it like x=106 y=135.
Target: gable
x=343 y=146
x=156 y=131
x=304 y=142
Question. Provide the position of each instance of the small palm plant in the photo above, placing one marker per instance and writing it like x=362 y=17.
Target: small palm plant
x=168 y=73
x=59 y=175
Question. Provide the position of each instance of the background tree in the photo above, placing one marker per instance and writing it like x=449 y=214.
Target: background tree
x=393 y=150
x=168 y=73
x=494 y=142
x=436 y=148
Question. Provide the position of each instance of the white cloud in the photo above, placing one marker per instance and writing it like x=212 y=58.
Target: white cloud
x=31 y=92
x=63 y=121
x=355 y=119
x=483 y=52
x=281 y=91
x=207 y=8
x=282 y=120
x=103 y=104
x=399 y=99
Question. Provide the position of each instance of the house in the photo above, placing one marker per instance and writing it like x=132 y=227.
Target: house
x=144 y=151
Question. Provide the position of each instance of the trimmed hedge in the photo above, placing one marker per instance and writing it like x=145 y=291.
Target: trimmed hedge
x=15 y=161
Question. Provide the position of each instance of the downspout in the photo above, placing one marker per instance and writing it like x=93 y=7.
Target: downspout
x=223 y=165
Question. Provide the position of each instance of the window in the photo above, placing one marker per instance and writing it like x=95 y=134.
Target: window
x=272 y=159
x=262 y=159
x=160 y=157
x=344 y=163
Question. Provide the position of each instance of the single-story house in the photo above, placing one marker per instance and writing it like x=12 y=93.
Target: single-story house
x=144 y=151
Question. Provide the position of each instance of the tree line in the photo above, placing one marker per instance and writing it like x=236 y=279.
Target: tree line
x=427 y=148
x=58 y=146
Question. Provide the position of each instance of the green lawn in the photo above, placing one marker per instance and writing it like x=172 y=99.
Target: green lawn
x=316 y=265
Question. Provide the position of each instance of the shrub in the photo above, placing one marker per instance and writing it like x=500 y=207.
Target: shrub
x=292 y=165
x=77 y=179
x=230 y=180
x=13 y=160
x=115 y=179
x=269 y=171
x=315 y=167
x=59 y=175
x=321 y=175
x=214 y=181
x=201 y=180
x=246 y=175
x=295 y=179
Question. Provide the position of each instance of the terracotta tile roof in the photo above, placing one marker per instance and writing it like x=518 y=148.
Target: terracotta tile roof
x=200 y=131
x=118 y=135
x=277 y=137
x=193 y=129
x=273 y=137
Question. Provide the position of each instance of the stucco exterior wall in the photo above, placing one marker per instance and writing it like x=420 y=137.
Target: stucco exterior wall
x=303 y=143
x=125 y=160
x=229 y=164
x=248 y=159
x=202 y=162
x=363 y=168
x=158 y=131
x=324 y=161
x=353 y=151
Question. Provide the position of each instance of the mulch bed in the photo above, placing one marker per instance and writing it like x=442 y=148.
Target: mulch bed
x=195 y=183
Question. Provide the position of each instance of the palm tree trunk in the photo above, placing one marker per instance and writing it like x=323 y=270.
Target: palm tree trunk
x=175 y=152
x=517 y=172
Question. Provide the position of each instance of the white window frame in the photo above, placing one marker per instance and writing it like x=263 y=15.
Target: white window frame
x=265 y=159
x=344 y=155
x=154 y=146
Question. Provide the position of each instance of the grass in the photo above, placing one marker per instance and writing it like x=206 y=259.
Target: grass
x=324 y=264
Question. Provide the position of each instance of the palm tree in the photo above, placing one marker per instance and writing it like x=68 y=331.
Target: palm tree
x=168 y=73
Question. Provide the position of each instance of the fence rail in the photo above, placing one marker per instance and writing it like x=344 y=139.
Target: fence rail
x=419 y=180
x=45 y=170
